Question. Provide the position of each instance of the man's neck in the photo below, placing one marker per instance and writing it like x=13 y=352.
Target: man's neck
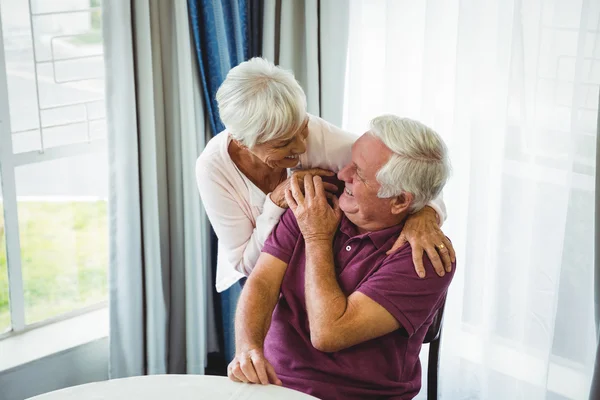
x=379 y=226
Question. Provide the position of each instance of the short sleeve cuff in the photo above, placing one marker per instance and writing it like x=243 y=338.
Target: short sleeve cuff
x=277 y=253
x=390 y=307
x=441 y=215
x=272 y=210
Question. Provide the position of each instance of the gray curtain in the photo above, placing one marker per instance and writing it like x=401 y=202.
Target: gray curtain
x=310 y=38
x=595 y=389
x=160 y=280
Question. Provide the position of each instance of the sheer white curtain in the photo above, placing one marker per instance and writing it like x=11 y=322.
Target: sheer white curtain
x=512 y=86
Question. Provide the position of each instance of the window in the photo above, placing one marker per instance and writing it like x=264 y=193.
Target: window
x=53 y=161
x=4 y=315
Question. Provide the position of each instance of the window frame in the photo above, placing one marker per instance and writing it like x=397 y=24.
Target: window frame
x=9 y=161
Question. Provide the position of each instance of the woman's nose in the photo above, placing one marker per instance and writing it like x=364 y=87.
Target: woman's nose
x=299 y=146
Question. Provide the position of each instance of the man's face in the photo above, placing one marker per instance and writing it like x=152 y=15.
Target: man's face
x=359 y=200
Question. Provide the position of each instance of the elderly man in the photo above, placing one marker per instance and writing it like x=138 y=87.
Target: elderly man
x=326 y=311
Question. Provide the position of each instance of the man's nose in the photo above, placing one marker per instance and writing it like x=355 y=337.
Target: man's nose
x=343 y=174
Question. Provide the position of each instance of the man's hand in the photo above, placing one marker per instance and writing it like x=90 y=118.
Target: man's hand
x=423 y=232
x=252 y=367
x=253 y=318
x=316 y=218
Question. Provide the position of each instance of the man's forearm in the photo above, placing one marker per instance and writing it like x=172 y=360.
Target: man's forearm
x=325 y=301
x=253 y=314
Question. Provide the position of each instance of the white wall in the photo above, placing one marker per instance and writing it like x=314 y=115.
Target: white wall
x=76 y=366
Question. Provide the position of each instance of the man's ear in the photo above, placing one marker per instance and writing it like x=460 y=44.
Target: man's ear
x=401 y=203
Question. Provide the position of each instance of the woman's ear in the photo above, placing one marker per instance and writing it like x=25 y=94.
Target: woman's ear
x=401 y=203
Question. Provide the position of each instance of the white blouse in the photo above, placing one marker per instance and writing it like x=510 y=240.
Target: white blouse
x=241 y=214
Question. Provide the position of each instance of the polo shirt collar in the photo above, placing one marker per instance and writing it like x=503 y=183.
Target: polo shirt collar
x=379 y=238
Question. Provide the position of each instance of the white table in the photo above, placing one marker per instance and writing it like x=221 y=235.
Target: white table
x=173 y=387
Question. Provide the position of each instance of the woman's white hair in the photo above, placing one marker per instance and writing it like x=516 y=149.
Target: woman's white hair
x=419 y=165
x=259 y=102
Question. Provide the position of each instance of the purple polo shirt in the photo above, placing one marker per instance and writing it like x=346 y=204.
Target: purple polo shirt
x=387 y=367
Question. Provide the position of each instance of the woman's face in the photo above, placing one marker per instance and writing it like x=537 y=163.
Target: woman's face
x=283 y=152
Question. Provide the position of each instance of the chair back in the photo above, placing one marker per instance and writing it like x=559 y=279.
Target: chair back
x=435 y=328
x=433 y=338
x=433 y=333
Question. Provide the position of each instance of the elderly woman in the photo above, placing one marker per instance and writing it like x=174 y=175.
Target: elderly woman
x=243 y=172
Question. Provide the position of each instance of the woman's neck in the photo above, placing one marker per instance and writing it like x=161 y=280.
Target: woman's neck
x=262 y=175
x=244 y=158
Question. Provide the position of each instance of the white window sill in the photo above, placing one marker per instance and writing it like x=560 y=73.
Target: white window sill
x=49 y=339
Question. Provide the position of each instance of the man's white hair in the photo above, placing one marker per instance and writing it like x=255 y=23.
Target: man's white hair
x=259 y=102
x=419 y=165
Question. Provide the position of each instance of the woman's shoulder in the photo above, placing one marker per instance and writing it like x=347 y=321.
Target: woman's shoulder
x=213 y=148
x=323 y=132
x=215 y=152
x=214 y=159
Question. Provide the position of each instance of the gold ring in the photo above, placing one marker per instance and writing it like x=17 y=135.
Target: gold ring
x=441 y=246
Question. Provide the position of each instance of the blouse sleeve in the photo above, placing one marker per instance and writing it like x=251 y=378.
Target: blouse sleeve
x=328 y=146
x=440 y=208
x=239 y=241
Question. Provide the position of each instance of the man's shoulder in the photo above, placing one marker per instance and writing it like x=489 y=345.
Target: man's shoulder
x=401 y=261
x=289 y=214
x=289 y=218
x=287 y=228
x=283 y=240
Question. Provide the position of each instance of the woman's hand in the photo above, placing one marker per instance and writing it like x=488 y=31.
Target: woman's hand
x=421 y=230
x=278 y=195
